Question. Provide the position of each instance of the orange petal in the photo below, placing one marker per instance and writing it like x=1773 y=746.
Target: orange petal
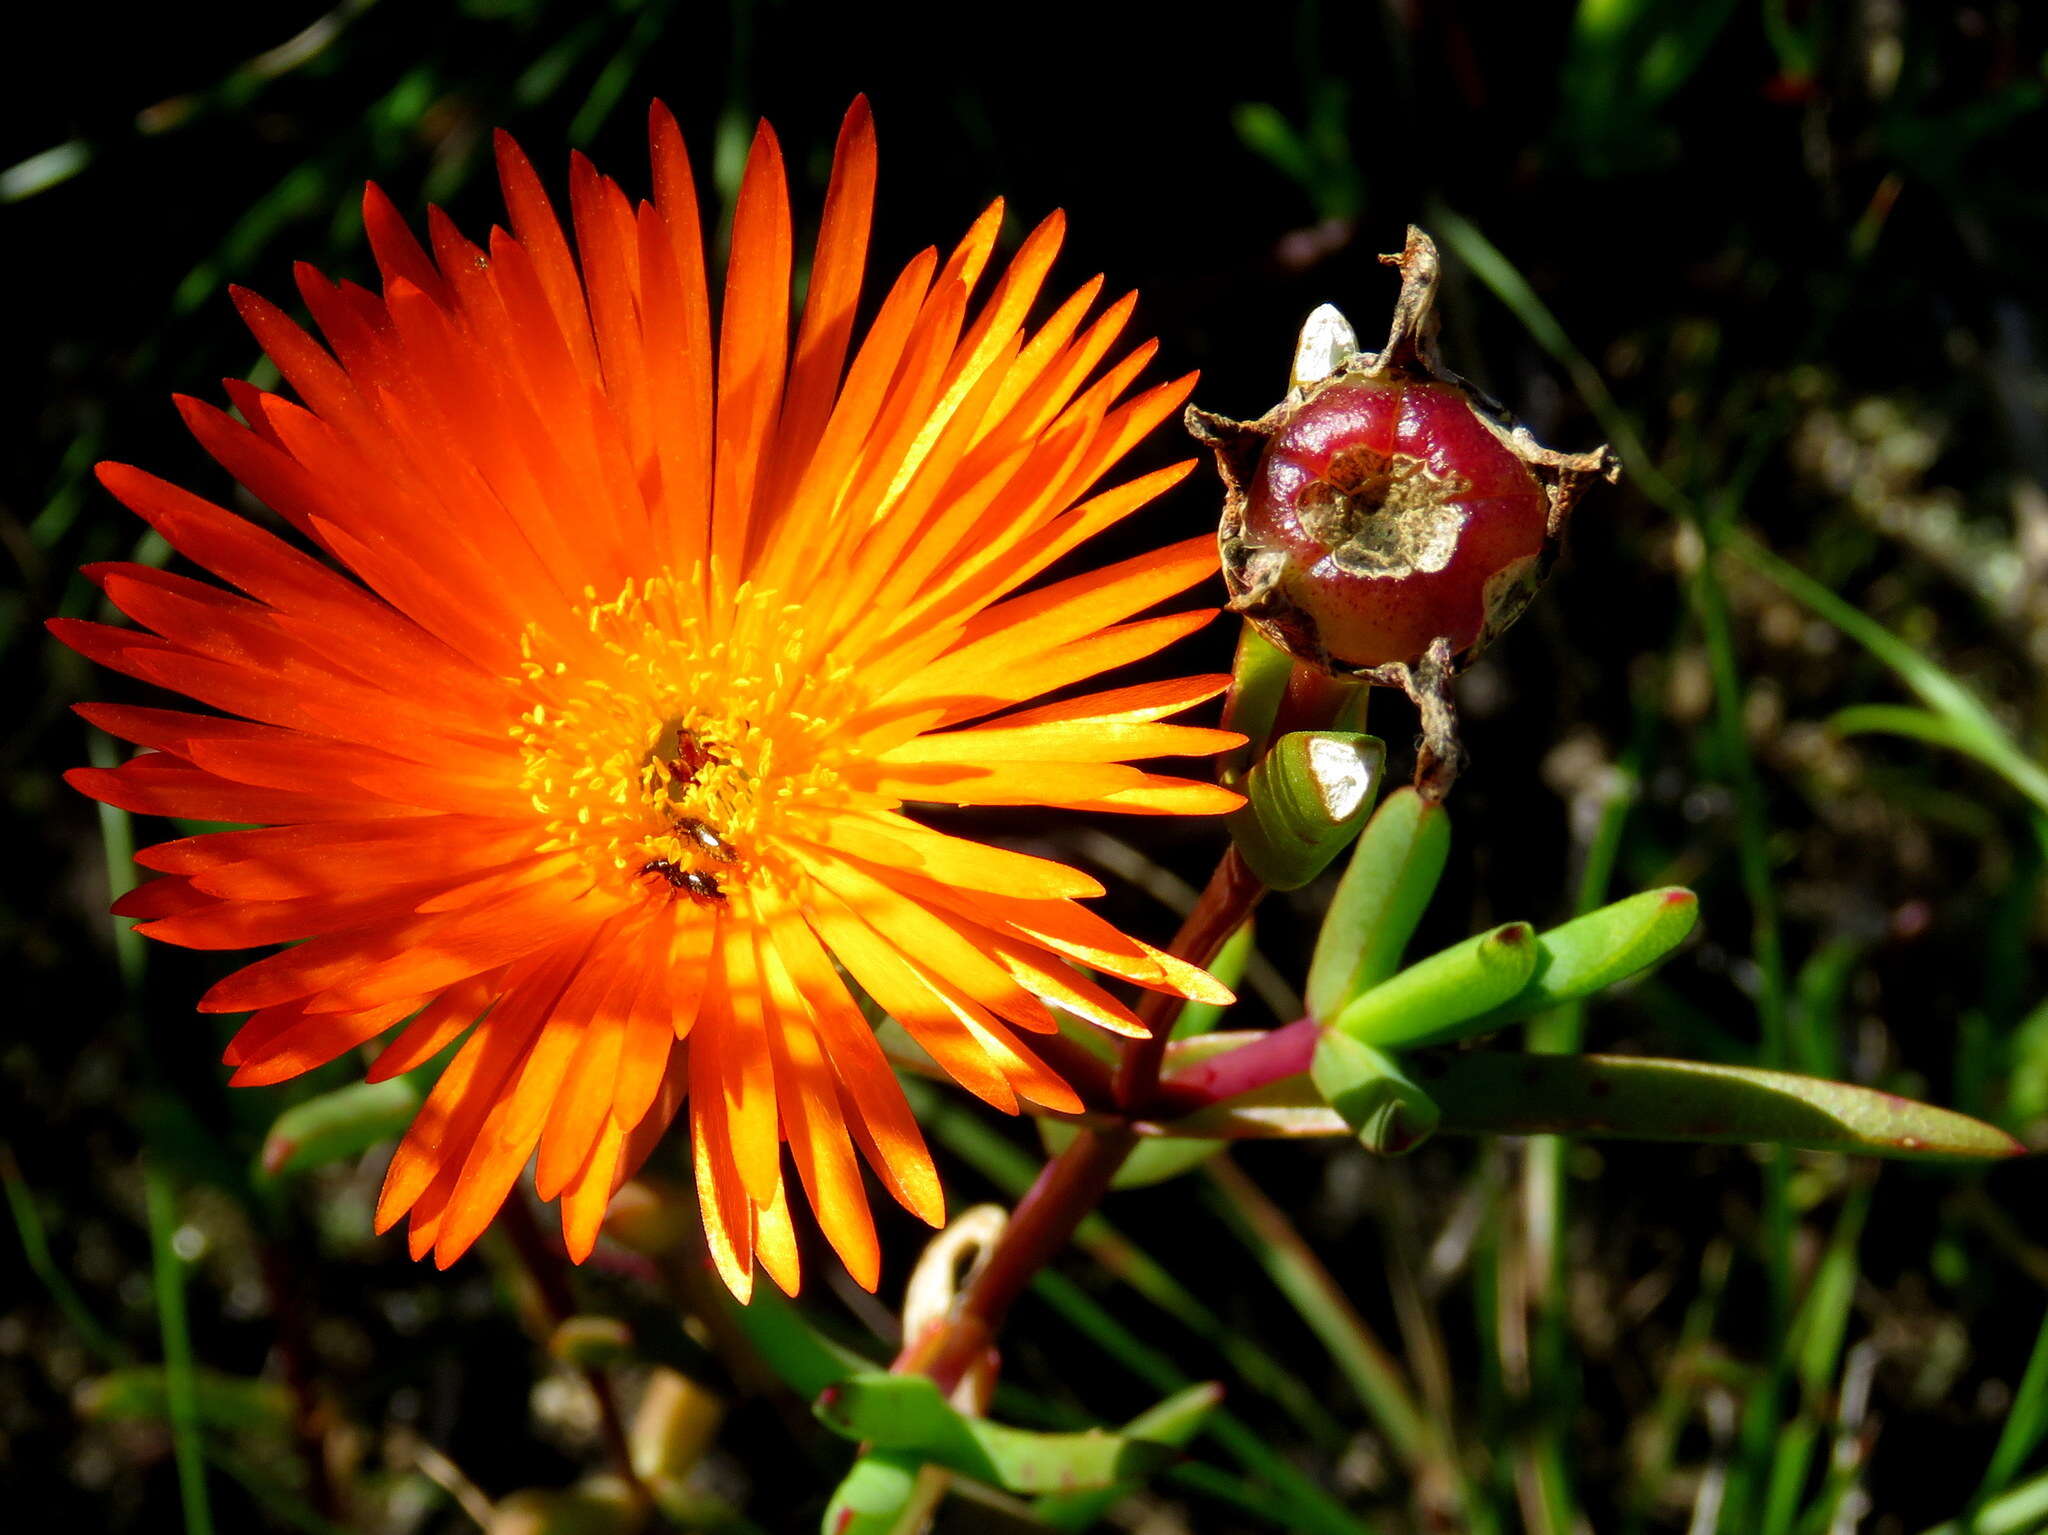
x=809 y=1103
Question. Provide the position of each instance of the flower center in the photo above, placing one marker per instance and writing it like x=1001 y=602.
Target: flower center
x=674 y=758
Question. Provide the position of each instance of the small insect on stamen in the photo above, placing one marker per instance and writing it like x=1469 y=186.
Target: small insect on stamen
x=708 y=841
x=692 y=757
x=700 y=887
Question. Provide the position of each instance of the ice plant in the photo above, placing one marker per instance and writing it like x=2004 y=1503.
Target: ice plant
x=598 y=719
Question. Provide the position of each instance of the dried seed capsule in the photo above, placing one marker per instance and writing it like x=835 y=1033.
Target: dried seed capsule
x=1385 y=521
x=1382 y=515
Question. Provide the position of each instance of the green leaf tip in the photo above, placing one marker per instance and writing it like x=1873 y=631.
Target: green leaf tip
x=1392 y=874
x=1640 y=1098
x=337 y=1125
x=1590 y=953
x=908 y=1414
x=1304 y=802
x=1172 y=1422
x=874 y=1497
x=1437 y=998
x=1391 y=1115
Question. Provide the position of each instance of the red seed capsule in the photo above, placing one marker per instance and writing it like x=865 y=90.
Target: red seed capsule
x=1384 y=510
x=1396 y=517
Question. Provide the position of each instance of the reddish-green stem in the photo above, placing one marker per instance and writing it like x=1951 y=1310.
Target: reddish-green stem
x=1073 y=1183
x=1276 y=1054
x=1233 y=890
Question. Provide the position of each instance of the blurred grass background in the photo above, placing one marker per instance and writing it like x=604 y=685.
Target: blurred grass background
x=1786 y=256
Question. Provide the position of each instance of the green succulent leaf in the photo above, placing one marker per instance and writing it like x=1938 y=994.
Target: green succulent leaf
x=227 y=1403
x=1638 y=1098
x=338 y=1125
x=1438 y=998
x=908 y=1413
x=1391 y=1115
x=1392 y=874
x=1305 y=800
x=874 y=1496
x=1290 y=1108
x=799 y=1357
x=1592 y=952
x=1173 y=1422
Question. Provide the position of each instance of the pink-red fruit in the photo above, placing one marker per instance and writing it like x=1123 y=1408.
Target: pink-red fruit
x=1386 y=514
x=1384 y=508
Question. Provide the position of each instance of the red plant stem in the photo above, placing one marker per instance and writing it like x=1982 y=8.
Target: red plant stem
x=1233 y=890
x=1073 y=1183
x=1067 y=1189
x=1280 y=1053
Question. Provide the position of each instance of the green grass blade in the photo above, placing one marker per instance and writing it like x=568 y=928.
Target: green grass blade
x=35 y=1247
x=1965 y=723
x=1818 y=1334
x=1374 y=1374
x=2022 y=1511
x=2026 y=1423
x=181 y=1387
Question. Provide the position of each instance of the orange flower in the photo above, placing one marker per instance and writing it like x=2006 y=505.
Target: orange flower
x=607 y=742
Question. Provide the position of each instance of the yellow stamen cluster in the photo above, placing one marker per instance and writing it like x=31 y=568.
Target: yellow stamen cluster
x=654 y=740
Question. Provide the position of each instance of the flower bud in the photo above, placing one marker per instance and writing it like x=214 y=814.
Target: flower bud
x=1385 y=507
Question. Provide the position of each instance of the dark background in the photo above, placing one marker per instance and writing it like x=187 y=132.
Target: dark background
x=1801 y=243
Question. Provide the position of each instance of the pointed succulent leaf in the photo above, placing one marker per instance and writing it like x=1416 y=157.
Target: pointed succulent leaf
x=1393 y=872
x=1305 y=801
x=226 y=1403
x=1391 y=1115
x=1592 y=952
x=1637 y=1098
x=799 y=1357
x=1174 y=1421
x=1159 y=1160
x=1437 y=998
x=908 y=1413
x=337 y=1125
x=875 y=1497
